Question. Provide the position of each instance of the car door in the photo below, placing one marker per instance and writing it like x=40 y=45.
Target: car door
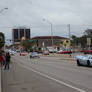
x=85 y=61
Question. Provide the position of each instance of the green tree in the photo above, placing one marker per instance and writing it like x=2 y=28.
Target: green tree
x=74 y=40
x=82 y=40
x=27 y=44
x=88 y=33
x=2 y=40
x=61 y=43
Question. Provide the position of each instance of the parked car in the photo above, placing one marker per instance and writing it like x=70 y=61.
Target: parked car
x=23 y=53
x=64 y=52
x=84 y=60
x=87 y=51
x=51 y=49
x=46 y=52
x=17 y=50
x=12 y=52
x=34 y=55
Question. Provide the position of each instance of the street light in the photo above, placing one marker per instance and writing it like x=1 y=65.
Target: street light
x=51 y=30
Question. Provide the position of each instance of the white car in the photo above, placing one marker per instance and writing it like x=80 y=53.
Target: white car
x=46 y=52
x=34 y=55
x=12 y=52
x=84 y=60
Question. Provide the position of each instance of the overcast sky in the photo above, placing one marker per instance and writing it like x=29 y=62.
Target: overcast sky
x=58 y=12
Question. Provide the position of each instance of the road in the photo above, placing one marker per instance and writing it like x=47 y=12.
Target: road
x=46 y=74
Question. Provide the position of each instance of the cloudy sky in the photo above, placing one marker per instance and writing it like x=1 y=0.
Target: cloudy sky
x=31 y=13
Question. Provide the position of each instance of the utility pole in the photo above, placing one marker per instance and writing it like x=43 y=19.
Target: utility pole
x=51 y=34
x=51 y=30
x=69 y=36
x=69 y=32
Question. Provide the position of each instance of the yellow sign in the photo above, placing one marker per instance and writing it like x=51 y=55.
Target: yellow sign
x=67 y=43
x=79 y=49
x=54 y=46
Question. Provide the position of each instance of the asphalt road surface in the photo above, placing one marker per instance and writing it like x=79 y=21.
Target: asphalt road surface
x=46 y=74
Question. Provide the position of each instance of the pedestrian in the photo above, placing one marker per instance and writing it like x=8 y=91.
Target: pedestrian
x=7 y=60
x=1 y=60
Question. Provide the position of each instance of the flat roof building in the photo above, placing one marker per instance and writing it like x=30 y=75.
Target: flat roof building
x=19 y=32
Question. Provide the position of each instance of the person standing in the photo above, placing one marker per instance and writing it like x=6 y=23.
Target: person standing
x=1 y=60
x=7 y=60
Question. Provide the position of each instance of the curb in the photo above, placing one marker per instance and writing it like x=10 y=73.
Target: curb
x=62 y=58
x=70 y=59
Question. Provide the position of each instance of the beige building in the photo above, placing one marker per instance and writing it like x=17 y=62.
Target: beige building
x=47 y=41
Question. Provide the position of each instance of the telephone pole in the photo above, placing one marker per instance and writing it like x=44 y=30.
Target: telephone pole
x=52 y=42
x=69 y=32
x=69 y=36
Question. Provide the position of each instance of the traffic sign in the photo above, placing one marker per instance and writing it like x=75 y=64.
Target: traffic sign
x=89 y=41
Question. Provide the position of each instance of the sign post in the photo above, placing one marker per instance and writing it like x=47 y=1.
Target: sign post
x=89 y=43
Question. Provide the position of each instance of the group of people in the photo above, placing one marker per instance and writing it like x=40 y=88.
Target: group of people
x=5 y=60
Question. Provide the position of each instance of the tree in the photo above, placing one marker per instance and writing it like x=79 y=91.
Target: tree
x=74 y=41
x=61 y=43
x=2 y=40
x=83 y=41
x=27 y=44
x=88 y=33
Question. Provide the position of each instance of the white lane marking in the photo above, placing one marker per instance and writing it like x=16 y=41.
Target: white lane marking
x=56 y=80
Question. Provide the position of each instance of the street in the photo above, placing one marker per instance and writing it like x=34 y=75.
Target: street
x=46 y=74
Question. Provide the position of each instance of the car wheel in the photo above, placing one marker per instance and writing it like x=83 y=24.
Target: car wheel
x=78 y=63
x=88 y=63
x=30 y=57
x=38 y=57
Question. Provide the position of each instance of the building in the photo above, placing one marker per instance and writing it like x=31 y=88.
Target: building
x=19 y=32
x=47 y=41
